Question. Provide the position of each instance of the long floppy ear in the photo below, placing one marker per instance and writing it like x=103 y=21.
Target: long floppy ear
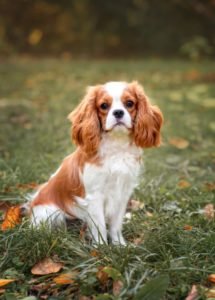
x=86 y=129
x=148 y=121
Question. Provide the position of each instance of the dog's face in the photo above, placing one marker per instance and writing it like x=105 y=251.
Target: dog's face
x=116 y=106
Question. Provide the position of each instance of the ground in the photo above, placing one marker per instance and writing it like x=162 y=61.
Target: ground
x=171 y=238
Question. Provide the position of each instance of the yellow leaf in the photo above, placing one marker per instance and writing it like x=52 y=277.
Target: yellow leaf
x=12 y=217
x=179 y=143
x=35 y=37
x=183 y=184
x=46 y=266
x=135 y=205
x=66 y=278
x=4 y=282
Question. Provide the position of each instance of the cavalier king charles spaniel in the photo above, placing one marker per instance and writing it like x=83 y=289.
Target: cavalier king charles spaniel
x=110 y=127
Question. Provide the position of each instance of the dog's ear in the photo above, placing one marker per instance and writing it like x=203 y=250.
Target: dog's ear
x=148 y=121
x=86 y=129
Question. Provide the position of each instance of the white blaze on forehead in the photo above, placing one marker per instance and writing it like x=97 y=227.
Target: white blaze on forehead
x=115 y=88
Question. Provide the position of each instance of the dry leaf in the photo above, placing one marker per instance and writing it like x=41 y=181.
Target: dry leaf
x=134 y=205
x=101 y=275
x=2 y=291
x=138 y=240
x=188 y=227
x=209 y=211
x=193 y=294
x=117 y=287
x=211 y=278
x=4 y=282
x=210 y=186
x=94 y=253
x=35 y=37
x=149 y=214
x=46 y=266
x=66 y=278
x=183 y=184
x=179 y=143
x=210 y=293
x=4 y=206
x=12 y=217
x=27 y=186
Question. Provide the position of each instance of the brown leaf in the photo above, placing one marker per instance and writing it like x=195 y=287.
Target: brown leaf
x=94 y=253
x=211 y=278
x=2 y=291
x=210 y=293
x=138 y=240
x=188 y=227
x=101 y=275
x=4 y=206
x=179 y=143
x=210 y=186
x=12 y=217
x=135 y=205
x=193 y=294
x=66 y=278
x=117 y=287
x=209 y=211
x=183 y=184
x=46 y=266
x=27 y=186
x=4 y=282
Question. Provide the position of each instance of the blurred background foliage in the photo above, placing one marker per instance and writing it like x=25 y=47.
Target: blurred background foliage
x=96 y=28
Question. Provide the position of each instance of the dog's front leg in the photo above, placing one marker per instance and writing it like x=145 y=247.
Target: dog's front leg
x=115 y=225
x=96 y=220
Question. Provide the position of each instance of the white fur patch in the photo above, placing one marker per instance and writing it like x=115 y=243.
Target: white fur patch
x=115 y=90
x=47 y=213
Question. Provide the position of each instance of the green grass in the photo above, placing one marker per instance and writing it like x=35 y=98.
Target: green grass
x=35 y=99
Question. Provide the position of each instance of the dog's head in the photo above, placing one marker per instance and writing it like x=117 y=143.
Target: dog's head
x=116 y=106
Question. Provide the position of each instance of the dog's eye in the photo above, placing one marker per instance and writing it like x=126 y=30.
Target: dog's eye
x=104 y=106
x=129 y=103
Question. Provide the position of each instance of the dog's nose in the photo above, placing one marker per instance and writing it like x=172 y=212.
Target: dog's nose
x=118 y=113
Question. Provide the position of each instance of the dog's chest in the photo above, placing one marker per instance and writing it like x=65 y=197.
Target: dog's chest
x=116 y=174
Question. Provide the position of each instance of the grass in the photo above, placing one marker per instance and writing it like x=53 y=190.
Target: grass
x=35 y=98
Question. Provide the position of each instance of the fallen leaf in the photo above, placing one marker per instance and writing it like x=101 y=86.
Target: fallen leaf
x=46 y=266
x=4 y=282
x=94 y=253
x=4 y=206
x=139 y=240
x=210 y=293
x=117 y=287
x=211 y=278
x=12 y=217
x=66 y=278
x=101 y=275
x=209 y=211
x=135 y=205
x=35 y=37
x=210 y=186
x=188 y=227
x=183 y=184
x=2 y=291
x=154 y=289
x=179 y=143
x=27 y=186
x=193 y=294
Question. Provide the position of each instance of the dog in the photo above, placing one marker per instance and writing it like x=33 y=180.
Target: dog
x=110 y=127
